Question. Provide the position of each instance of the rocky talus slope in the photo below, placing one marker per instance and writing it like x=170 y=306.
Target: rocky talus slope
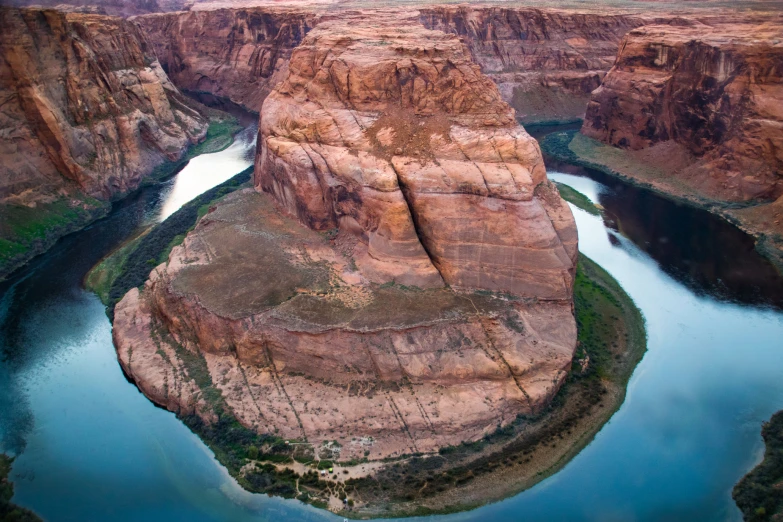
x=86 y=113
x=401 y=280
x=711 y=96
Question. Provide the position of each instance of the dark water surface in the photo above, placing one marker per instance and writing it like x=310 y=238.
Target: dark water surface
x=91 y=447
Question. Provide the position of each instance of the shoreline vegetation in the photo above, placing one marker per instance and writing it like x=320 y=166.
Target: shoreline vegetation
x=129 y=265
x=611 y=342
x=10 y=512
x=759 y=494
x=572 y=195
x=573 y=147
x=27 y=232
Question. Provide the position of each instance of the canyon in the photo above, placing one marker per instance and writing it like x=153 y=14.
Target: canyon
x=87 y=114
x=545 y=62
x=402 y=233
x=398 y=280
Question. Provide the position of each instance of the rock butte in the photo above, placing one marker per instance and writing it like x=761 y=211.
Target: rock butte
x=402 y=274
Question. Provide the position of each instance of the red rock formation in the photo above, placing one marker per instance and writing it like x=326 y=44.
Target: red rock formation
x=443 y=153
x=715 y=90
x=85 y=106
x=428 y=297
x=546 y=62
x=240 y=54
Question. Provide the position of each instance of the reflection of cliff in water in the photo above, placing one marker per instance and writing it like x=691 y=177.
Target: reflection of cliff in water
x=706 y=253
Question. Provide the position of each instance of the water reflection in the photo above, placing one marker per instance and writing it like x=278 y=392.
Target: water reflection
x=39 y=305
x=704 y=252
x=208 y=170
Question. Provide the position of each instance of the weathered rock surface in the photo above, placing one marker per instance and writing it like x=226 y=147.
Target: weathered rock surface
x=715 y=90
x=406 y=147
x=85 y=106
x=546 y=62
x=240 y=54
x=404 y=281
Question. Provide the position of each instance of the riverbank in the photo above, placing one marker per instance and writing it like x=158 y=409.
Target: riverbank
x=760 y=493
x=26 y=232
x=572 y=195
x=129 y=265
x=10 y=512
x=762 y=221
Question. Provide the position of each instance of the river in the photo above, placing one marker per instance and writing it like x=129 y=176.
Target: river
x=91 y=447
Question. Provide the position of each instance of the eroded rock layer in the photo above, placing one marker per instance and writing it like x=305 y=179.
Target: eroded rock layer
x=544 y=61
x=402 y=278
x=240 y=54
x=85 y=105
x=715 y=90
x=406 y=147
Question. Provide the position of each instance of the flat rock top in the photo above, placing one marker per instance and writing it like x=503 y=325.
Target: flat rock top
x=768 y=34
x=245 y=258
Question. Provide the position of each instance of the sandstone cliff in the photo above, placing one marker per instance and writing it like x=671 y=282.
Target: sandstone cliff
x=86 y=110
x=404 y=280
x=717 y=91
x=704 y=105
x=240 y=54
x=545 y=62
x=85 y=100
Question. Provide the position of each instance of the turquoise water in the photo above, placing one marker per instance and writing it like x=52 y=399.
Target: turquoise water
x=91 y=447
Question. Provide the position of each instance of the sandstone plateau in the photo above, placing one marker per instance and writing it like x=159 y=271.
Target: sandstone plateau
x=402 y=277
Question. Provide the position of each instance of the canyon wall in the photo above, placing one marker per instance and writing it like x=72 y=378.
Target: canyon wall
x=240 y=54
x=86 y=106
x=86 y=113
x=545 y=62
x=716 y=91
x=106 y=7
x=400 y=280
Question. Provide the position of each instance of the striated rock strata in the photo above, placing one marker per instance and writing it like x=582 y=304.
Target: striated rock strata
x=545 y=62
x=402 y=278
x=716 y=91
x=85 y=106
x=240 y=54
